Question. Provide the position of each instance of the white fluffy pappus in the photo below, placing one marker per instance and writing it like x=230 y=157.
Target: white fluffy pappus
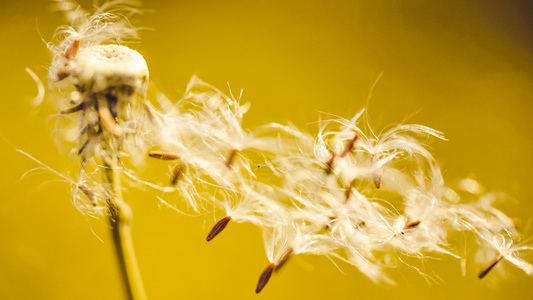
x=368 y=199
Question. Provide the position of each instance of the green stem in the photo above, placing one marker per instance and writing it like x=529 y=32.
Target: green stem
x=120 y=220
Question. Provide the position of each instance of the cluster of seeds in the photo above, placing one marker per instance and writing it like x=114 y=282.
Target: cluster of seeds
x=369 y=199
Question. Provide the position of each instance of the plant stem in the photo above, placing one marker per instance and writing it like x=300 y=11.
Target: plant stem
x=120 y=220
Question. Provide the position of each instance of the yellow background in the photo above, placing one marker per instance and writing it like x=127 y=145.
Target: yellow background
x=466 y=67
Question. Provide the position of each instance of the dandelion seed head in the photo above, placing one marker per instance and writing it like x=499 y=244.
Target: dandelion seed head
x=105 y=66
x=369 y=198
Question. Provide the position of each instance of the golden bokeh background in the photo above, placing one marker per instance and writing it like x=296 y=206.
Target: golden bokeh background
x=464 y=67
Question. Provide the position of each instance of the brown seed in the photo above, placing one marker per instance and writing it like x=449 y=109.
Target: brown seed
x=163 y=155
x=328 y=226
x=331 y=163
x=489 y=267
x=231 y=157
x=360 y=224
x=265 y=277
x=88 y=193
x=378 y=173
x=413 y=224
x=72 y=50
x=349 y=146
x=155 y=117
x=348 y=193
x=218 y=227
x=63 y=73
x=177 y=174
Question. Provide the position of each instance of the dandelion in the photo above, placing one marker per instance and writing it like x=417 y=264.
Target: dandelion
x=507 y=249
x=253 y=204
x=106 y=83
x=88 y=196
x=348 y=193
x=288 y=239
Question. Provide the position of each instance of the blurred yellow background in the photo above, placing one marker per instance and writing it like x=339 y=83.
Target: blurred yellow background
x=466 y=67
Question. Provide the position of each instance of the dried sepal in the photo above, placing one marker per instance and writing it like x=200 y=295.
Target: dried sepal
x=74 y=109
x=106 y=118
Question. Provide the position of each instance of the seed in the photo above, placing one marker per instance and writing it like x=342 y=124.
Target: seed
x=265 y=277
x=156 y=118
x=350 y=146
x=378 y=173
x=88 y=193
x=72 y=50
x=411 y=224
x=163 y=155
x=348 y=193
x=63 y=73
x=218 y=227
x=231 y=157
x=331 y=163
x=177 y=174
x=489 y=267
